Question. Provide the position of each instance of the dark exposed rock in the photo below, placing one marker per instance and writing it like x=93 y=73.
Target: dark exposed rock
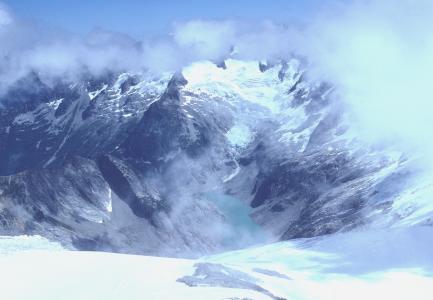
x=143 y=206
x=164 y=128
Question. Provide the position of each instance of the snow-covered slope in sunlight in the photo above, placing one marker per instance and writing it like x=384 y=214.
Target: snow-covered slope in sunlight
x=382 y=264
x=65 y=275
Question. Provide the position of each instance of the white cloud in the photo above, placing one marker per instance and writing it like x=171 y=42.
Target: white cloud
x=206 y=39
x=5 y=16
x=380 y=56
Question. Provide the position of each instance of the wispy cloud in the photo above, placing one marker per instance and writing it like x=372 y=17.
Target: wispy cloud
x=380 y=55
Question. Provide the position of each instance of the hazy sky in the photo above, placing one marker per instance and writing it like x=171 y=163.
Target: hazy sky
x=150 y=17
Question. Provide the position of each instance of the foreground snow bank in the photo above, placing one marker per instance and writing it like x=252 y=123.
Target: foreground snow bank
x=385 y=264
x=65 y=275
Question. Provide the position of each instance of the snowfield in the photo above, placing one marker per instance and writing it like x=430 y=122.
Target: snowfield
x=384 y=264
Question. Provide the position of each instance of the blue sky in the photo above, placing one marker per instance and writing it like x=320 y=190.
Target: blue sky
x=150 y=17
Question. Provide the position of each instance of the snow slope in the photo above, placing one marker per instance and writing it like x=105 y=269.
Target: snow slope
x=383 y=264
x=61 y=275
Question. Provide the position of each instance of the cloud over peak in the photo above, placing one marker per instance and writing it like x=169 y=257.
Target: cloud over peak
x=377 y=53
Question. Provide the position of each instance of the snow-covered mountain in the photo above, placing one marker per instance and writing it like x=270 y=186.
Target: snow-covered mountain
x=217 y=156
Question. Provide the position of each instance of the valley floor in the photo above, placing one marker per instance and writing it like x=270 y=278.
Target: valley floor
x=382 y=264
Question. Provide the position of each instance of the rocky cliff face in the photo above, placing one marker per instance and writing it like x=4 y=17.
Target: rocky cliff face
x=132 y=162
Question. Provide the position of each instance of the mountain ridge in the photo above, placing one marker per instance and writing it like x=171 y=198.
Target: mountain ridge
x=126 y=163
